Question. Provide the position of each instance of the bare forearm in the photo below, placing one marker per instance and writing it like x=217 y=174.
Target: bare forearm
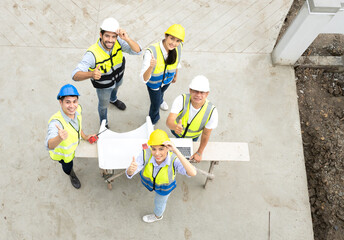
x=147 y=74
x=80 y=76
x=190 y=170
x=204 y=140
x=170 y=121
x=54 y=142
x=134 y=45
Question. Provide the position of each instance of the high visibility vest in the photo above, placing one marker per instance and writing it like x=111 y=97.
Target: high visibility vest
x=197 y=124
x=66 y=149
x=111 y=67
x=162 y=73
x=164 y=182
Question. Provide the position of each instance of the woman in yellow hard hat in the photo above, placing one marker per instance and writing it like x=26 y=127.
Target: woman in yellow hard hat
x=159 y=68
x=158 y=166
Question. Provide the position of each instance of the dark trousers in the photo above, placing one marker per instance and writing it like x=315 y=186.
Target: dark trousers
x=175 y=134
x=67 y=167
x=156 y=98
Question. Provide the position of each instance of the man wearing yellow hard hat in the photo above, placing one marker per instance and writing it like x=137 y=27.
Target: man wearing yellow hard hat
x=158 y=166
x=159 y=68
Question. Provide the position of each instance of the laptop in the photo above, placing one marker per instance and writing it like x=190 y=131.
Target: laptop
x=184 y=145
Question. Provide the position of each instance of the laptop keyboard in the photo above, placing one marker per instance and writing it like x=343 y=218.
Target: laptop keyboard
x=186 y=151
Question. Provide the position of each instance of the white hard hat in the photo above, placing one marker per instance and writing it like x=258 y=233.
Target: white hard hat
x=200 y=83
x=110 y=25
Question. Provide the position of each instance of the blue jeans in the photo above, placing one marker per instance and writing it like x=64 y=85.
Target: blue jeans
x=105 y=95
x=175 y=134
x=160 y=204
x=156 y=98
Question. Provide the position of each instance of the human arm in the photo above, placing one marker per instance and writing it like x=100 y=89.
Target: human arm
x=147 y=57
x=80 y=76
x=190 y=170
x=175 y=77
x=61 y=135
x=135 y=166
x=170 y=122
x=134 y=46
x=81 y=72
x=86 y=137
x=197 y=156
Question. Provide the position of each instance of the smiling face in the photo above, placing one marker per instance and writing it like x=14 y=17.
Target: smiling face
x=159 y=152
x=198 y=98
x=69 y=104
x=108 y=40
x=171 y=42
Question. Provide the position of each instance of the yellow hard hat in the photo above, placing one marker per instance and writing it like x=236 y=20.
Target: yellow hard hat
x=158 y=137
x=177 y=31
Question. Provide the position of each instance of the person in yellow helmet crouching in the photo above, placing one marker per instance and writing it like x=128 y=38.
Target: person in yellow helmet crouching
x=158 y=166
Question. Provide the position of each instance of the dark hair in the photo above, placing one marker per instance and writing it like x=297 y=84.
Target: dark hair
x=172 y=55
x=63 y=97
x=102 y=32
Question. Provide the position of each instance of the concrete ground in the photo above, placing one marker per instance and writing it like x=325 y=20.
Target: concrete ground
x=265 y=198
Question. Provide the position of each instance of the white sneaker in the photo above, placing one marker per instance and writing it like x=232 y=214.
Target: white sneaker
x=151 y=218
x=164 y=106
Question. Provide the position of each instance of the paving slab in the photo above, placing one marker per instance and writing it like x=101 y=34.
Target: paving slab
x=257 y=104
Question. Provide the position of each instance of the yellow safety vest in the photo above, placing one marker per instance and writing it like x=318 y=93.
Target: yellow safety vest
x=162 y=73
x=66 y=149
x=164 y=182
x=197 y=124
x=111 y=67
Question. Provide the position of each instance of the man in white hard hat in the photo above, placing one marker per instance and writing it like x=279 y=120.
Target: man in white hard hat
x=192 y=115
x=104 y=64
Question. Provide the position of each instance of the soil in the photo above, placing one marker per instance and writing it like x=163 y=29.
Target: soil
x=321 y=106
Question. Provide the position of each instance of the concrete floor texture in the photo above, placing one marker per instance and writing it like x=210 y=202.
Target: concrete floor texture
x=229 y=42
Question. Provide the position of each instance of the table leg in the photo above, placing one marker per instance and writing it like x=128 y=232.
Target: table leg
x=210 y=172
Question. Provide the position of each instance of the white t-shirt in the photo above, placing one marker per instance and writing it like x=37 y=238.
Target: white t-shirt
x=177 y=106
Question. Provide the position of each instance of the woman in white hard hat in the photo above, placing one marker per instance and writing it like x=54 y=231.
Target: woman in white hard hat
x=158 y=166
x=159 y=68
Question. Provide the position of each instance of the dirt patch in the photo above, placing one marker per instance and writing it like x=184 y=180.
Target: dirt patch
x=321 y=106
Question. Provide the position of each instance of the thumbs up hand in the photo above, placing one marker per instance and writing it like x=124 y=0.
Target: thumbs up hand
x=63 y=134
x=179 y=127
x=152 y=62
x=96 y=74
x=132 y=168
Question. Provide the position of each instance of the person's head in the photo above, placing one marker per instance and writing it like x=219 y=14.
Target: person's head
x=69 y=99
x=199 y=90
x=174 y=35
x=156 y=140
x=109 y=33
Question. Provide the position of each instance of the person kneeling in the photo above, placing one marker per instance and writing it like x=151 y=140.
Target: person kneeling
x=158 y=166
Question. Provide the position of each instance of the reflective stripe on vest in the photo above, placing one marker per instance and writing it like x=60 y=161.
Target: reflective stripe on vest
x=66 y=149
x=111 y=67
x=197 y=124
x=164 y=181
x=162 y=73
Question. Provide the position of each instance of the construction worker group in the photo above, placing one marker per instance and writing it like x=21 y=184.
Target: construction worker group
x=191 y=115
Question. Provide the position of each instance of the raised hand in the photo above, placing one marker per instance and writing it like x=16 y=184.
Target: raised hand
x=63 y=134
x=96 y=74
x=132 y=168
x=123 y=34
x=179 y=127
x=152 y=62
